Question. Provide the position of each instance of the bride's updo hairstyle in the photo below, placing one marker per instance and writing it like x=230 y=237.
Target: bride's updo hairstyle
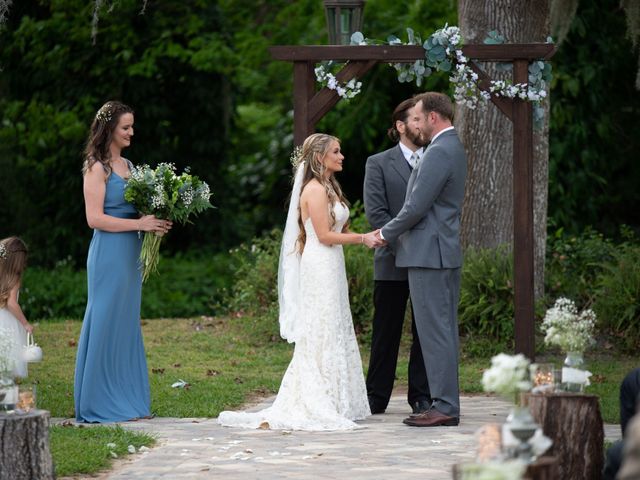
x=101 y=134
x=13 y=261
x=314 y=149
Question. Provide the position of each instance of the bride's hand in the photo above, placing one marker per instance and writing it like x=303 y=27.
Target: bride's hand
x=372 y=240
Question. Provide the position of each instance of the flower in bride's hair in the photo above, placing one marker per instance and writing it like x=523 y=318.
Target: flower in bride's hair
x=3 y=251
x=296 y=156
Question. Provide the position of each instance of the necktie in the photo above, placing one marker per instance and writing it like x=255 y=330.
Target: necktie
x=413 y=161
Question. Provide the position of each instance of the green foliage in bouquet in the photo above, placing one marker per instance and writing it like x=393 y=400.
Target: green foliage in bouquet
x=162 y=193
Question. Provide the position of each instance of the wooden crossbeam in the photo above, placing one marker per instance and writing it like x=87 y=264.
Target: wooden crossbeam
x=408 y=53
x=318 y=53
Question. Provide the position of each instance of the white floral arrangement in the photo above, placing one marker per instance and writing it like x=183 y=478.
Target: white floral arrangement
x=568 y=329
x=7 y=346
x=508 y=376
x=327 y=79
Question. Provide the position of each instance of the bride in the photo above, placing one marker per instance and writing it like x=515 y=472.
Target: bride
x=323 y=387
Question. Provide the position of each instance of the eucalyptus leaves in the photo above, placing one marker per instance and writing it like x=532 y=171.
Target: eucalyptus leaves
x=443 y=52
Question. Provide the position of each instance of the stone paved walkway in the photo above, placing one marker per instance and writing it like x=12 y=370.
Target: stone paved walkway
x=385 y=448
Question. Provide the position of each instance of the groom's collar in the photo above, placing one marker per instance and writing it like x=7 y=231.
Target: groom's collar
x=440 y=133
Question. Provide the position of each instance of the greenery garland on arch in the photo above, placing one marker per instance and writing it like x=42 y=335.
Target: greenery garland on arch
x=443 y=52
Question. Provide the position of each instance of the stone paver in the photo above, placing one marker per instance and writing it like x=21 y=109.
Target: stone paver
x=383 y=448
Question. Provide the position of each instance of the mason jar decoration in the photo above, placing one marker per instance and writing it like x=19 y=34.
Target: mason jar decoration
x=574 y=375
x=8 y=392
x=564 y=327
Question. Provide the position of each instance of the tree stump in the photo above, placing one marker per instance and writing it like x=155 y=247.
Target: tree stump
x=574 y=423
x=24 y=446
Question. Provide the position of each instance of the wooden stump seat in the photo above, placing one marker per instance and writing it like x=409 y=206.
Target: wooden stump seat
x=24 y=446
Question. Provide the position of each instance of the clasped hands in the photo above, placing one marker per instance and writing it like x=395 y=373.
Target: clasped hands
x=373 y=239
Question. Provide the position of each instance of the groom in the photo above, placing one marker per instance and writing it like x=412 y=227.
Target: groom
x=425 y=234
x=385 y=188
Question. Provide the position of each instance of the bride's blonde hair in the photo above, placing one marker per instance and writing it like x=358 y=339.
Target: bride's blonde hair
x=313 y=151
x=13 y=261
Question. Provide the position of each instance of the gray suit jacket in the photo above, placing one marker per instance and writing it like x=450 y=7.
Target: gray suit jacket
x=426 y=231
x=385 y=188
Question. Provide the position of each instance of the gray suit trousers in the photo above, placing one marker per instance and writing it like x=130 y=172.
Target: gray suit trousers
x=434 y=295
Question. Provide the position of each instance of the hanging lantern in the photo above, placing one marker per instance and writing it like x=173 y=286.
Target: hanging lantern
x=344 y=17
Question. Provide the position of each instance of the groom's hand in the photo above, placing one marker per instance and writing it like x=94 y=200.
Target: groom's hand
x=370 y=240
x=373 y=240
x=381 y=241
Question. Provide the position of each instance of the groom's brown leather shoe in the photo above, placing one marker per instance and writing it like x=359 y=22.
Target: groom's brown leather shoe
x=431 y=418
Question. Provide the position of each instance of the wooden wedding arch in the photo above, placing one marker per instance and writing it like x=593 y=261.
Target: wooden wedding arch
x=310 y=106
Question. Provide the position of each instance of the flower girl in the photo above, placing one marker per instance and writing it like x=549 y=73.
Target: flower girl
x=13 y=260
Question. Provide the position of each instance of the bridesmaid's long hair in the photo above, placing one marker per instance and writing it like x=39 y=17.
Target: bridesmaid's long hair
x=13 y=261
x=314 y=149
x=101 y=135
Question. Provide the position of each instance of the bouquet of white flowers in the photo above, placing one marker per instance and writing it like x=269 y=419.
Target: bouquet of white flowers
x=162 y=193
x=567 y=329
x=508 y=376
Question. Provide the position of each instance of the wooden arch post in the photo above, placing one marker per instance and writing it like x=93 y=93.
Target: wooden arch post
x=310 y=106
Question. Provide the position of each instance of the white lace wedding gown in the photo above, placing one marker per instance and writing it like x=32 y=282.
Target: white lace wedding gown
x=323 y=387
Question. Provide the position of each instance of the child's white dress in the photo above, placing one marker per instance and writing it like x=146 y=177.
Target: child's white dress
x=19 y=335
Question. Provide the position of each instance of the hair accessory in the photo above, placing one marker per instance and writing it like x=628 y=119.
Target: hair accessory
x=296 y=156
x=3 y=251
x=105 y=113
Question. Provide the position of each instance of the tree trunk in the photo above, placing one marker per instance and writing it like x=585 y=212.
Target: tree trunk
x=574 y=424
x=487 y=214
x=24 y=447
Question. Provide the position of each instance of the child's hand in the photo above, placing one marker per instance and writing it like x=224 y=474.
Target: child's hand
x=28 y=327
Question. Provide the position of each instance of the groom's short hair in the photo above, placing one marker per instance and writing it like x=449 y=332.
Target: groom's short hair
x=400 y=113
x=436 y=102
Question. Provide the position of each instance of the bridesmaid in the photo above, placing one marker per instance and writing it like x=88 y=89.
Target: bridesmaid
x=111 y=378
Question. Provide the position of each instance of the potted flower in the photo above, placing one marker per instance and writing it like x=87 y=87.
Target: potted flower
x=564 y=327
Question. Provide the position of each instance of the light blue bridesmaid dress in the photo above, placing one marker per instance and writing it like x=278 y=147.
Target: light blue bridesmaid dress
x=111 y=379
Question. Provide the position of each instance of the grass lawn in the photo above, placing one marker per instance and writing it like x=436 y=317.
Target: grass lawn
x=226 y=362
x=87 y=450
